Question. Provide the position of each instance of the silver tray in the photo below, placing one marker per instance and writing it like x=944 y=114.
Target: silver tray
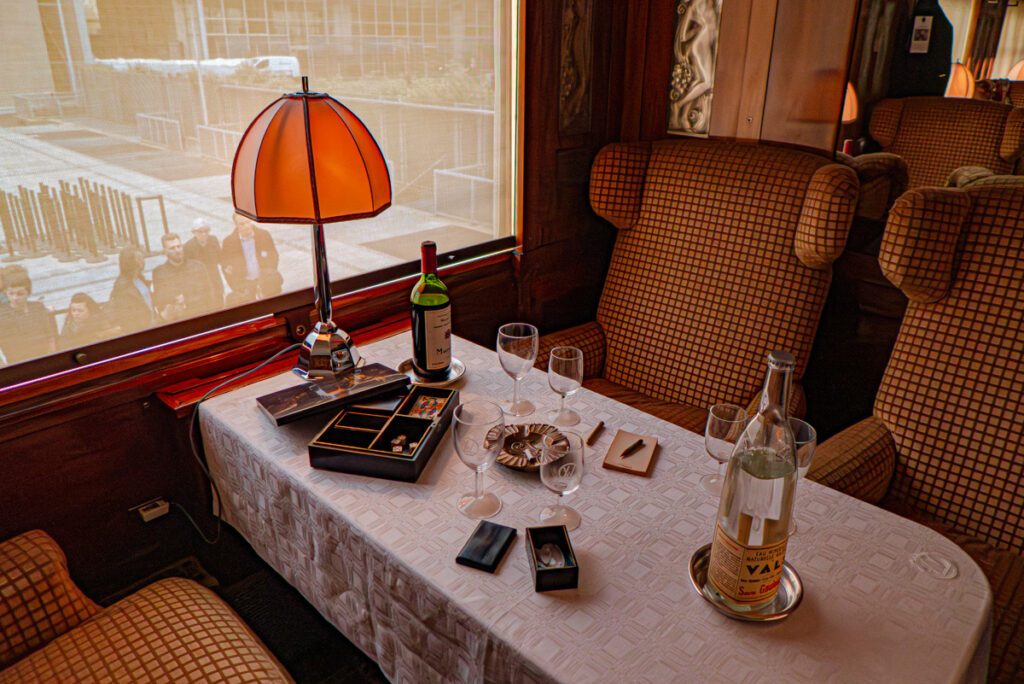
x=521 y=448
x=791 y=591
x=455 y=371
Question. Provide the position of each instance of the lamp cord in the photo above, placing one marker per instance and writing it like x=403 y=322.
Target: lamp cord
x=195 y=448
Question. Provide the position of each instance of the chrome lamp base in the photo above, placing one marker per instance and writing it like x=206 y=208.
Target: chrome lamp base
x=326 y=352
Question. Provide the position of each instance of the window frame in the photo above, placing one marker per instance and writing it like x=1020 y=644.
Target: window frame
x=101 y=360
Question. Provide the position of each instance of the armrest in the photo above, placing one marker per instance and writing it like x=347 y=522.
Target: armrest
x=38 y=599
x=966 y=175
x=858 y=461
x=589 y=337
x=883 y=177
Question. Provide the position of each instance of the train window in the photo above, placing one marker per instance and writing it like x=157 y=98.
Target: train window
x=118 y=125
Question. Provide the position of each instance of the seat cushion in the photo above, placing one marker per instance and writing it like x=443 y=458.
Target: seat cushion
x=1005 y=573
x=173 y=630
x=690 y=417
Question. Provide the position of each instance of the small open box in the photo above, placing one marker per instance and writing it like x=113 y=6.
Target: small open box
x=552 y=560
x=393 y=443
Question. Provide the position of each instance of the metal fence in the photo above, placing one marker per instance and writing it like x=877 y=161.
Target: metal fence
x=76 y=220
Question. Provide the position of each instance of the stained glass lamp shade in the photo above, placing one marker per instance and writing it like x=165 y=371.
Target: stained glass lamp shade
x=307 y=159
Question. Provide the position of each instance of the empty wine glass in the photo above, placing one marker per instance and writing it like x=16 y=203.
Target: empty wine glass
x=517 y=350
x=725 y=425
x=479 y=430
x=565 y=376
x=561 y=471
x=805 y=439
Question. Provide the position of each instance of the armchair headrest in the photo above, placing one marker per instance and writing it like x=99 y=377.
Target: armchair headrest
x=919 y=244
x=617 y=182
x=826 y=215
x=1012 y=146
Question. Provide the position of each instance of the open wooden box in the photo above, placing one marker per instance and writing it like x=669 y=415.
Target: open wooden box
x=364 y=439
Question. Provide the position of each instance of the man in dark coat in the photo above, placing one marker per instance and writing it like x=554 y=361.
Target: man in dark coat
x=28 y=330
x=249 y=260
x=205 y=248
x=178 y=276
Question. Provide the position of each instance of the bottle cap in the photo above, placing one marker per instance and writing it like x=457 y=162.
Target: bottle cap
x=781 y=359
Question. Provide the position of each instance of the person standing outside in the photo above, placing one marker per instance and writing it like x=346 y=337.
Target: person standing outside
x=28 y=329
x=249 y=260
x=130 y=304
x=179 y=275
x=205 y=248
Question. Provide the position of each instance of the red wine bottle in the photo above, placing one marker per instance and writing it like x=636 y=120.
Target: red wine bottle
x=431 y=320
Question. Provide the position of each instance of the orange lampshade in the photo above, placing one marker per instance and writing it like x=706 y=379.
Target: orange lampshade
x=1016 y=72
x=850 y=104
x=961 y=82
x=277 y=166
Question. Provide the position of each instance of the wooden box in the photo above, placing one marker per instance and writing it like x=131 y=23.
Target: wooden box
x=363 y=439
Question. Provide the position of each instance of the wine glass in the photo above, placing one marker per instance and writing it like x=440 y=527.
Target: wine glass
x=517 y=350
x=565 y=376
x=561 y=471
x=805 y=439
x=479 y=428
x=725 y=425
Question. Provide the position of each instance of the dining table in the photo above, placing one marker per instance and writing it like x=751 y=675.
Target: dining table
x=376 y=557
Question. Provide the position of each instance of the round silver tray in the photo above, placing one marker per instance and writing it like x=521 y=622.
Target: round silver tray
x=521 y=449
x=791 y=591
x=455 y=371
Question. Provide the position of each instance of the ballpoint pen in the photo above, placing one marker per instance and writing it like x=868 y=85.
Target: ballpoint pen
x=632 y=448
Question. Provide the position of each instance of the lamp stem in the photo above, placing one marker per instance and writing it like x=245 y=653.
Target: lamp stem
x=322 y=290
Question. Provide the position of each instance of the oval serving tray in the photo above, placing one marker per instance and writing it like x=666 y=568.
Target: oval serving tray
x=791 y=591
x=521 y=449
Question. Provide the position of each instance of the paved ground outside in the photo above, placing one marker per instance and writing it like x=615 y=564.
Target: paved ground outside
x=50 y=151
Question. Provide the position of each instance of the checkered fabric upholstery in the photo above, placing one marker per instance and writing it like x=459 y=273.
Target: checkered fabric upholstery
x=173 y=630
x=883 y=178
x=936 y=135
x=952 y=392
x=38 y=600
x=589 y=338
x=726 y=257
x=950 y=399
x=1015 y=93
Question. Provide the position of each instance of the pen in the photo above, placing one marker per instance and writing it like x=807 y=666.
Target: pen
x=593 y=433
x=632 y=448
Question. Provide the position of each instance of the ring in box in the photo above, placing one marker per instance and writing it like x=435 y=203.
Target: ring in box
x=551 y=557
x=383 y=439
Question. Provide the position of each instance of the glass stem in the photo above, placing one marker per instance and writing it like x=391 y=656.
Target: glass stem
x=515 y=392
x=721 y=467
x=562 y=410
x=478 y=481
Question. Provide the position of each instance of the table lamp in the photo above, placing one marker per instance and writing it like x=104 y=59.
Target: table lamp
x=307 y=159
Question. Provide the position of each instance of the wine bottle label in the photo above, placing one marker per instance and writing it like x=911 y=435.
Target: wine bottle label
x=745 y=574
x=438 y=329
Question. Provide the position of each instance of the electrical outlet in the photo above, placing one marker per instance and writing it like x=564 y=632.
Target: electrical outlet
x=152 y=509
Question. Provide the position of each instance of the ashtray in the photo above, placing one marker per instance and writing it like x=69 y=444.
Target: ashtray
x=791 y=591
x=521 y=450
x=455 y=371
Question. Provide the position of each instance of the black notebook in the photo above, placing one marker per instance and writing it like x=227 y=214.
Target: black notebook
x=373 y=380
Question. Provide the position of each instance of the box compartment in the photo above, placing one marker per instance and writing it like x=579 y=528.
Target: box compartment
x=358 y=439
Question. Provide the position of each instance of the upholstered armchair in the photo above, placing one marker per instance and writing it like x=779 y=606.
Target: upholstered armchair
x=936 y=135
x=723 y=253
x=944 y=443
x=173 y=630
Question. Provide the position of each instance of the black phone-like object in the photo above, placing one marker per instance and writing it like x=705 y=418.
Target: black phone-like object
x=486 y=546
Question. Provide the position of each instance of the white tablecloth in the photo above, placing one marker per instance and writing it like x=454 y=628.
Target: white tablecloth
x=377 y=559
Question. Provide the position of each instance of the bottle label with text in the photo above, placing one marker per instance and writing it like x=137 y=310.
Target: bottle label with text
x=438 y=329
x=745 y=574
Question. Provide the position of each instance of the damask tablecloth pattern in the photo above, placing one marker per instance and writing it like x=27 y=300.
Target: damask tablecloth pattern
x=377 y=558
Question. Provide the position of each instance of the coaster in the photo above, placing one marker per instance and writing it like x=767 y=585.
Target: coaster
x=455 y=371
x=636 y=461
